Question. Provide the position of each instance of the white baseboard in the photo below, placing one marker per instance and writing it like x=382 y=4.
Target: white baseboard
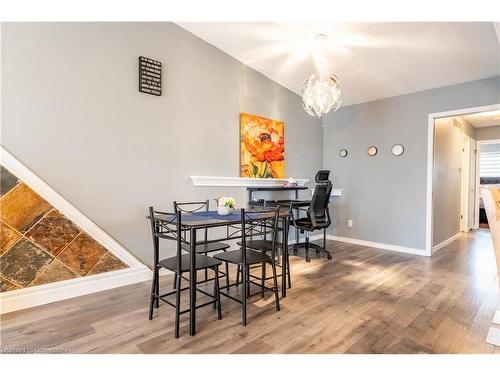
x=496 y=318
x=66 y=208
x=446 y=242
x=493 y=336
x=61 y=290
x=379 y=245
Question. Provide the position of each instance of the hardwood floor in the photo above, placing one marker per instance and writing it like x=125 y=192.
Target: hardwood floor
x=363 y=301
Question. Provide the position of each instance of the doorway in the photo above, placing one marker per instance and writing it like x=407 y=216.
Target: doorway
x=453 y=185
x=488 y=166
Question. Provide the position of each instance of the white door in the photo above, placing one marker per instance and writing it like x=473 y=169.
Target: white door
x=472 y=185
x=465 y=189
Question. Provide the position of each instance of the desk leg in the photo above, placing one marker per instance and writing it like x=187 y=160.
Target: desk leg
x=296 y=230
x=284 y=257
x=192 y=283
x=297 y=216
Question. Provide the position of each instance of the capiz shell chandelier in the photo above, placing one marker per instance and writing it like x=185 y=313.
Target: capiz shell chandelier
x=319 y=96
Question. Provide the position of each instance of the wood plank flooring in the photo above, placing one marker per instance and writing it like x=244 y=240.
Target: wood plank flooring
x=365 y=300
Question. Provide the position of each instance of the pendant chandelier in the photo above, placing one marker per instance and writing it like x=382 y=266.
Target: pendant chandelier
x=319 y=95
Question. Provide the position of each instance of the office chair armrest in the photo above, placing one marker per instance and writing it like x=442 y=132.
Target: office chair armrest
x=310 y=215
x=307 y=210
x=327 y=216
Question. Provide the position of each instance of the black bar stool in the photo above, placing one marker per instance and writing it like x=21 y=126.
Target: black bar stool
x=169 y=226
x=265 y=245
x=202 y=247
x=245 y=257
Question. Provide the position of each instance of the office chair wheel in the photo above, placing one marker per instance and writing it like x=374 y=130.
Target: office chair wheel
x=317 y=251
x=329 y=256
x=308 y=259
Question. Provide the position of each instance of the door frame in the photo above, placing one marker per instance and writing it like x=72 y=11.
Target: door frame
x=430 y=162
x=478 y=177
x=465 y=183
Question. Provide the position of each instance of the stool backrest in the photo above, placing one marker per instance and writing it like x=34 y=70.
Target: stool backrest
x=167 y=226
x=190 y=207
x=259 y=222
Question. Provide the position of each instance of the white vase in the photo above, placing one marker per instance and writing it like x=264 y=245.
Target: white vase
x=223 y=210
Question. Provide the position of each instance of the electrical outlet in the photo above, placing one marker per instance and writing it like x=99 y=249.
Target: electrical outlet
x=349 y=223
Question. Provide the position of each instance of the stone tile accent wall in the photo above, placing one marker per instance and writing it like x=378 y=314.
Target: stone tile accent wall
x=39 y=245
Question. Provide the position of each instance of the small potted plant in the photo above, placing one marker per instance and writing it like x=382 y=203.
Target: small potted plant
x=225 y=205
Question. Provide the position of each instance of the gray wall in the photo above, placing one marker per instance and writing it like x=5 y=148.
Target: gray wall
x=488 y=133
x=71 y=112
x=446 y=191
x=386 y=195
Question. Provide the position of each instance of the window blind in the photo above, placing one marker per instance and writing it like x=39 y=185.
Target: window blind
x=489 y=164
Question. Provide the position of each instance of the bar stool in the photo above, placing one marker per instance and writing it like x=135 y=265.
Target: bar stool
x=168 y=226
x=203 y=247
x=245 y=257
x=265 y=245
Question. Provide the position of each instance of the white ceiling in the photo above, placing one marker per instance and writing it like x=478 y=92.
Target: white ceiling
x=483 y=119
x=372 y=60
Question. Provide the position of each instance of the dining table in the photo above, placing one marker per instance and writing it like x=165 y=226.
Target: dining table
x=195 y=221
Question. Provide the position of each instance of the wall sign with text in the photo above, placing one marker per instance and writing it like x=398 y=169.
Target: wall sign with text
x=149 y=76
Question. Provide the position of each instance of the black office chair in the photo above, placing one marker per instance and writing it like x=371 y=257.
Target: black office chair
x=204 y=247
x=244 y=258
x=166 y=225
x=317 y=215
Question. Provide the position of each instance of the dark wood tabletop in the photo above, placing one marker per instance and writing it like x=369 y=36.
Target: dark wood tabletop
x=197 y=221
x=276 y=188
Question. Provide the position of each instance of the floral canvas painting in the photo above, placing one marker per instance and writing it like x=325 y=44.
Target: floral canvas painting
x=262 y=150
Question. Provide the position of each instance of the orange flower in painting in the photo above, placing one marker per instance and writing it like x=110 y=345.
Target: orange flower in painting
x=262 y=147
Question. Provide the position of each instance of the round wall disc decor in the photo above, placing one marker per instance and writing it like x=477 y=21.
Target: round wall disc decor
x=343 y=153
x=397 y=150
x=372 y=151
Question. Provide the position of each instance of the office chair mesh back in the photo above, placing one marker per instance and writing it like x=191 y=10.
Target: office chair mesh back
x=322 y=176
x=320 y=200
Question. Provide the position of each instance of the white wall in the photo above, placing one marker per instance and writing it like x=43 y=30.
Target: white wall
x=466 y=127
x=446 y=192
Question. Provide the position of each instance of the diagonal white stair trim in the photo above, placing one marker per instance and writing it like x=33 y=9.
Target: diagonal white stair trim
x=66 y=208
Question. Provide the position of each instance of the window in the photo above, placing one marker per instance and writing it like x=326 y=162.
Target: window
x=489 y=160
